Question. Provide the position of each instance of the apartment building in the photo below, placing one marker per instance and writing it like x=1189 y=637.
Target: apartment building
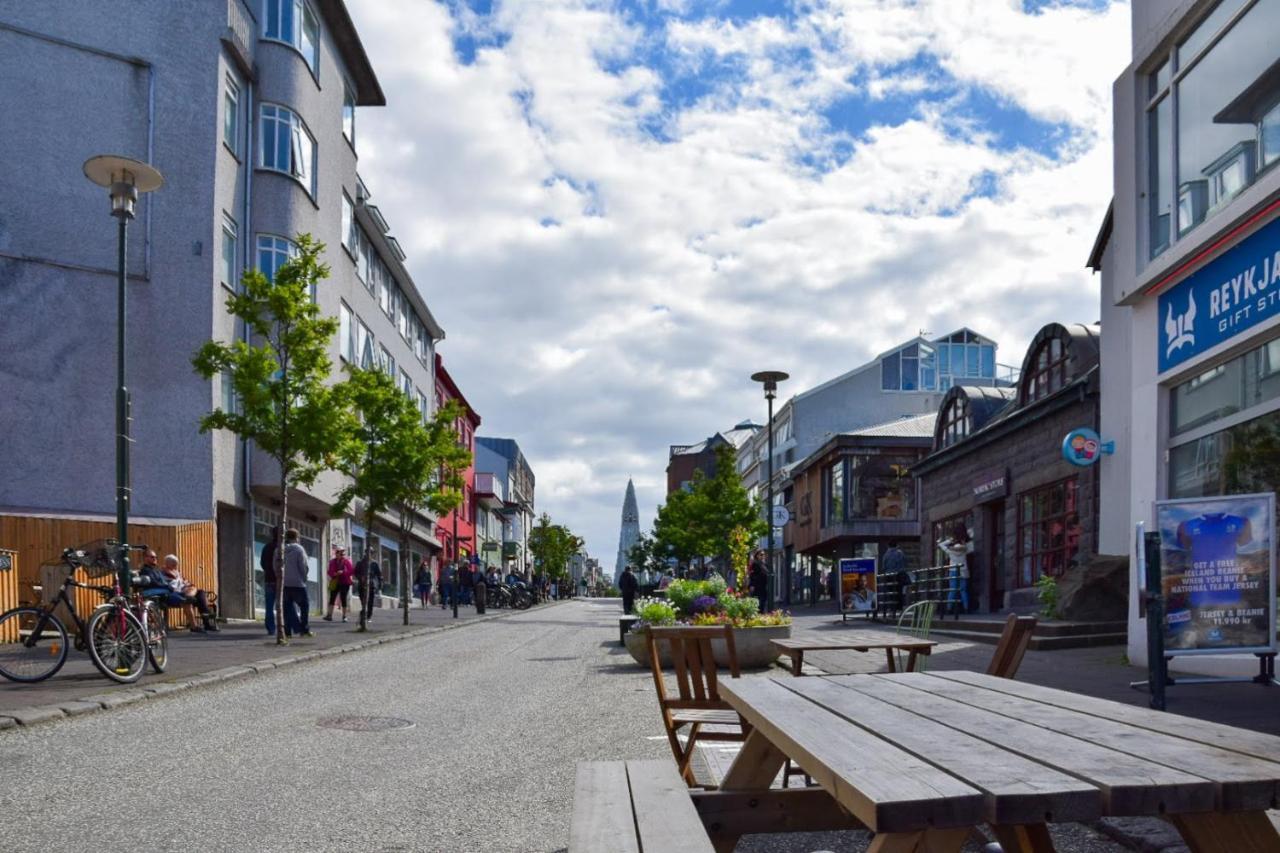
x=503 y=458
x=250 y=109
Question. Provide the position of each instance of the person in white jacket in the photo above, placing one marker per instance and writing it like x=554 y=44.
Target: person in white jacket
x=958 y=546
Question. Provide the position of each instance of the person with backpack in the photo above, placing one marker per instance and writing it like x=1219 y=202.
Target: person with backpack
x=369 y=576
x=628 y=585
x=422 y=582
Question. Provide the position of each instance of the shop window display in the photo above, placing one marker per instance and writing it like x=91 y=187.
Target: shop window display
x=1048 y=531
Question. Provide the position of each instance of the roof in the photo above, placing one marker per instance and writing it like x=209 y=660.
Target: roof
x=914 y=426
x=368 y=89
x=1104 y=237
x=382 y=244
x=918 y=339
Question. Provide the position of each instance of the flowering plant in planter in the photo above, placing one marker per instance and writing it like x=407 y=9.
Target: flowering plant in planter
x=707 y=602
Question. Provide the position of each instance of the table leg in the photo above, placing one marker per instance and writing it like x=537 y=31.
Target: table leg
x=888 y=653
x=797 y=661
x=1025 y=838
x=754 y=769
x=943 y=840
x=1235 y=832
x=911 y=660
x=896 y=842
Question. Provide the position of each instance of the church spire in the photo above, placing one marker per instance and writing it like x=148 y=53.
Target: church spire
x=630 y=529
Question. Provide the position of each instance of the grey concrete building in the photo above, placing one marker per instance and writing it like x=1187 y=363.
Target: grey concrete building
x=503 y=458
x=1190 y=267
x=250 y=110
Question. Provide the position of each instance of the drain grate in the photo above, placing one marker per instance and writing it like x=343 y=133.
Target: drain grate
x=360 y=723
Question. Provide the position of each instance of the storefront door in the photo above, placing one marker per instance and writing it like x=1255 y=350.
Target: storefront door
x=995 y=556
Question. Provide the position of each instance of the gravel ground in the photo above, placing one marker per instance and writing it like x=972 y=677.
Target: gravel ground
x=502 y=711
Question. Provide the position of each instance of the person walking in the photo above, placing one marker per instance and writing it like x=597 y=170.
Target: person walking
x=267 y=562
x=297 y=608
x=341 y=574
x=481 y=588
x=422 y=582
x=369 y=576
x=466 y=581
x=448 y=585
x=628 y=584
x=758 y=580
x=894 y=564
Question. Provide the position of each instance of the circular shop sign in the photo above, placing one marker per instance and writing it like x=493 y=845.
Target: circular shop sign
x=1082 y=447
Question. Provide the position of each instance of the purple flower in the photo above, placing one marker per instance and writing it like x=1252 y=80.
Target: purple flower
x=703 y=604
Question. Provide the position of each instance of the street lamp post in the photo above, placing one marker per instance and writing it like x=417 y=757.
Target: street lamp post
x=457 y=564
x=124 y=178
x=770 y=380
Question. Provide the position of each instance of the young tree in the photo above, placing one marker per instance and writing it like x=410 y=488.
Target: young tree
x=552 y=545
x=392 y=459
x=284 y=407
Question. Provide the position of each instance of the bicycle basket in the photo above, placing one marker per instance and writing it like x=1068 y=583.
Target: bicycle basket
x=98 y=558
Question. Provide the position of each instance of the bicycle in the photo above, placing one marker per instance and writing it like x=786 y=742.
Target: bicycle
x=115 y=638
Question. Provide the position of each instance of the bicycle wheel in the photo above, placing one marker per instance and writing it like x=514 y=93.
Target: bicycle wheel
x=157 y=637
x=33 y=646
x=117 y=643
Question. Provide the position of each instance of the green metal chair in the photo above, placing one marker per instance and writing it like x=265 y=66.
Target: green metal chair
x=916 y=621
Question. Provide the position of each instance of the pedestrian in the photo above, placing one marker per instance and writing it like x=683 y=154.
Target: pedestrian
x=628 y=584
x=187 y=594
x=267 y=562
x=466 y=582
x=481 y=588
x=894 y=564
x=957 y=547
x=341 y=574
x=369 y=576
x=758 y=580
x=297 y=608
x=422 y=582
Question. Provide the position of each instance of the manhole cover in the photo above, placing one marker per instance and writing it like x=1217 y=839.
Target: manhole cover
x=364 y=723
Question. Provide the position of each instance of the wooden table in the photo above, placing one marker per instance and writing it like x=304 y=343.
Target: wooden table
x=795 y=648
x=921 y=759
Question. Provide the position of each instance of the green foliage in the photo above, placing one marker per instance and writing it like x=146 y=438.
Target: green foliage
x=682 y=592
x=740 y=554
x=646 y=553
x=739 y=609
x=702 y=521
x=279 y=377
x=552 y=545
x=1047 y=593
x=653 y=611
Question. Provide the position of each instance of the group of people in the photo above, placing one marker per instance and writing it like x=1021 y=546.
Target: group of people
x=165 y=582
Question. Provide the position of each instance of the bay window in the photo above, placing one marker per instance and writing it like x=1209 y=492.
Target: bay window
x=295 y=23
x=287 y=146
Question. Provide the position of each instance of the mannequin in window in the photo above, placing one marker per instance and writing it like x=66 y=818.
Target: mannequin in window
x=958 y=546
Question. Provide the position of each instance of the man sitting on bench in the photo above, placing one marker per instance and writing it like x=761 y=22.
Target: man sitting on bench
x=180 y=592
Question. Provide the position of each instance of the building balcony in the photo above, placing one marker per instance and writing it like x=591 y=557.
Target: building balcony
x=489 y=491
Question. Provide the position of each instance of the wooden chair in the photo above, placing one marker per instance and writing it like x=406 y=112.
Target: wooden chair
x=1012 y=646
x=916 y=621
x=697 y=702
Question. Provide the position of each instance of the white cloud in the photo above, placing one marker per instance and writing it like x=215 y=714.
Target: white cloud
x=607 y=293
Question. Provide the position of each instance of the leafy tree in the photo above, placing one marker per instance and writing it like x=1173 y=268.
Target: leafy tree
x=648 y=553
x=285 y=407
x=552 y=545
x=393 y=461
x=704 y=521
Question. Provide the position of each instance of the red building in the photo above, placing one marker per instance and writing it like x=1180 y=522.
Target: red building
x=463 y=519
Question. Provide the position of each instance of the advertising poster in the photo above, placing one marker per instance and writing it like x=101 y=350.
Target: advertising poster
x=857 y=585
x=1217 y=563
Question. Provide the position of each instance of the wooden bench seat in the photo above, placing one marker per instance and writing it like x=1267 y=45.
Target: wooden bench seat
x=634 y=807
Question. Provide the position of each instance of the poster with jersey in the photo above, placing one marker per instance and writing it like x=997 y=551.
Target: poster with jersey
x=858 y=584
x=1217 y=562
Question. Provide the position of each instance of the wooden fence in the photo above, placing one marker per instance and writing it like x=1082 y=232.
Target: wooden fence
x=8 y=592
x=40 y=540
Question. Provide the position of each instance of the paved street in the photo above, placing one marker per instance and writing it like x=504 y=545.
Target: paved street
x=501 y=712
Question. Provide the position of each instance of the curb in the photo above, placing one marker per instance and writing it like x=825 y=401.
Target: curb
x=32 y=715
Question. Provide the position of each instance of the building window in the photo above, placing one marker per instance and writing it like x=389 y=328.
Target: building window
x=403 y=313
x=834 y=496
x=881 y=486
x=349 y=115
x=349 y=230
x=231 y=115
x=1220 y=86
x=294 y=22
x=273 y=251
x=406 y=384
x=424 y=406
x=346 y=334
x=947 y=528
x=387 y=362
x=287 y=146
x=230 y=402
x=955 y=424
x=1048 y=531
x=964 y=357
x=364 y=346
x=1047 y=370
x=230 y=252
x=1248 y=381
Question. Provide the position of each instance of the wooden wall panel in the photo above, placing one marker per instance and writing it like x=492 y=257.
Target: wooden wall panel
x=37 y=540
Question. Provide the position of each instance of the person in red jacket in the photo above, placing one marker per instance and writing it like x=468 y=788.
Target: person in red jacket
x=341 y=573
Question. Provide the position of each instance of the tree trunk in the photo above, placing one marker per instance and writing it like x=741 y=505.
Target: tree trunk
x=406 y=524
x=284 y=525
x=370 y=538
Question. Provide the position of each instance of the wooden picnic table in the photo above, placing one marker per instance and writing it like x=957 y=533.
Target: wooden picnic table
x=796 y=647
x=921 y=759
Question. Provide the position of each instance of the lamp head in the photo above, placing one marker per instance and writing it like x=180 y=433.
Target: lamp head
x=124 y=178
x=770 y=380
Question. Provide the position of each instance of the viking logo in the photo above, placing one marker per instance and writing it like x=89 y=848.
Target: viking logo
x=1181 y=330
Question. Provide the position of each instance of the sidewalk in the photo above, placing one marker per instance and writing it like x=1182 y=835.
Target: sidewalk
x=240 y=648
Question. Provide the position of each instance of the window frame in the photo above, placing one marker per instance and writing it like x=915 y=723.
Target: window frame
x=287 y=117
x=1049 y=374
x=349 y=114
x=346 y=333
x=231 y=109
x=1042 y=563
x=294 y=38
x=350 y=242
x=230 y=229
x=955 y=423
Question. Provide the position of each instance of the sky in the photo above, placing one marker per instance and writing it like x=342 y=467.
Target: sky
x=621 y=210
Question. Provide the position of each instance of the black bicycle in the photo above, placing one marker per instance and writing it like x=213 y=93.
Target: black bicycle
x=34 y=640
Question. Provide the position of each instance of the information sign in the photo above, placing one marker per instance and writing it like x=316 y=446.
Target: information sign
x=857 y=585
x=1217 y=572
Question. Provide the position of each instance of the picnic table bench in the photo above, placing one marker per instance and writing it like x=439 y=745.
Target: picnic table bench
x=634 y=806
x=796 y=647
x=922 y=759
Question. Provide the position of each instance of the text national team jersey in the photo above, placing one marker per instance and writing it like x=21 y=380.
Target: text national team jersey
x=1213 y=539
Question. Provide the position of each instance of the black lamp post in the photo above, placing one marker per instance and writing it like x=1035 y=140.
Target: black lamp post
x=457 y=564
x=124 y=178
x=770 y=380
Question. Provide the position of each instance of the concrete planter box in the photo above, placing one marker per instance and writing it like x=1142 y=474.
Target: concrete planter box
x=753 y=645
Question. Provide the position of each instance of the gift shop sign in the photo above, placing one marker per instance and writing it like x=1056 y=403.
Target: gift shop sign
x=1231 y=294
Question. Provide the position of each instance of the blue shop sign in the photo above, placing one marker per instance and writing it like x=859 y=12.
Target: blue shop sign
x=1236 y=291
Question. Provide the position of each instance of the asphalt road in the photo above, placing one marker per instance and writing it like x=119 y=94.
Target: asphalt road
x=500 y=711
